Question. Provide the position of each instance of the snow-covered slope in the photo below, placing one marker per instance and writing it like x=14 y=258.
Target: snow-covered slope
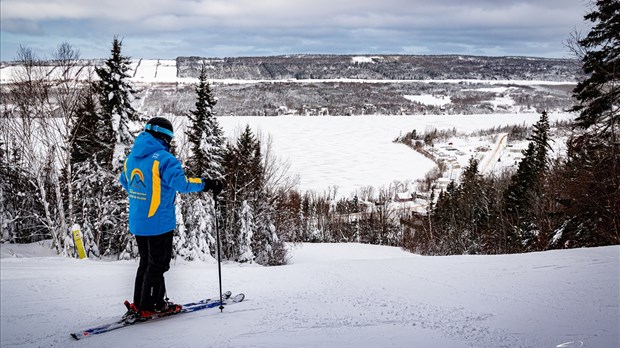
x=343 y=295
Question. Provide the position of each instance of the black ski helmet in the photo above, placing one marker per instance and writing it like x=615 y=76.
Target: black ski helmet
x=161 y=128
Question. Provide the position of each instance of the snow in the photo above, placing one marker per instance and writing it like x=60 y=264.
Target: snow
x=354 y=152
x=155 y=71
x=165 y=71
x=365 y=59
x=490 y=89
x=427 y=99
x=334 y=295
x=491 y=157
x=331 y=295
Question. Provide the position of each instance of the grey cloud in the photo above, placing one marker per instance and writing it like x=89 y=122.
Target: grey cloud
x=21 y=26
x=252 y=27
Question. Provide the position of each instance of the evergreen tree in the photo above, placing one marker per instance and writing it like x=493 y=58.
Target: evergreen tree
x=101 y=207
x=204 y=134
x=19 y=207
x=541 y=139
x=443 y=216
x=206 y=140
x=242 y=185
x=90 y=158
x=474 y=207
x=99 y=139
x=248 y=205
x=590 y=194
x=246 y=232
x=196 y=227
x=115 y=97
x=228 y=203
x=526 y=189
x=88 y=140
x=598 y=95
x=461 y=215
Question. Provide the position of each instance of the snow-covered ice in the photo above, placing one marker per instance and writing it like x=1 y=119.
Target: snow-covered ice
x=353 y=152
x=331 y=295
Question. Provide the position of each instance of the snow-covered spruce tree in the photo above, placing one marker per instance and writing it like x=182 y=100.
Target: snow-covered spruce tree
x=206 y=142
x=460 y=217
x=311 y=230
x=590 y=193
x=204 y=134
x=198 y=242
x=242 y=164
x=541 y=139
x=91 y=152
x=83 y=146
x=19 y=207
x=248 y=204
x=267 y=246
x=246 y=230
x=228 y=202
x=443 y=216
x=474 y=208
x=115 y=97
x=525 y=191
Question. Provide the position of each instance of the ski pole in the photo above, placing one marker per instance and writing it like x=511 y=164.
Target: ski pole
x=219 y=252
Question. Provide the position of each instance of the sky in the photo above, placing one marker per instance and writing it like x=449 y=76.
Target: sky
x=166 y=29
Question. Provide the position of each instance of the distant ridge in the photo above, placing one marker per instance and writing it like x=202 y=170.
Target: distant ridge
x=382 y=67
x=353 y=84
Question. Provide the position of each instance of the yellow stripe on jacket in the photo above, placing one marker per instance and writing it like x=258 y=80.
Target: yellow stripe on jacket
x=194 y=180
x=156 y=189
x=125 y=166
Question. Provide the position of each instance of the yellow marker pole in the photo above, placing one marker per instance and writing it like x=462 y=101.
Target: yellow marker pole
x=79 y=244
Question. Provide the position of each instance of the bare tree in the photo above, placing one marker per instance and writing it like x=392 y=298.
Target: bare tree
x=44 y=97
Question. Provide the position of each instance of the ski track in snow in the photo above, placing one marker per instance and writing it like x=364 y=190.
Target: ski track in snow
x=332 y=295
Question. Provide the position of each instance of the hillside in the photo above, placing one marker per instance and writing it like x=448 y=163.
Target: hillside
x=355 y=85
x=362 y=85
x=382 y=67
x=331 y=295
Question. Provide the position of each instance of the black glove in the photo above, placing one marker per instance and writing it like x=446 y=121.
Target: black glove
x=214 y=185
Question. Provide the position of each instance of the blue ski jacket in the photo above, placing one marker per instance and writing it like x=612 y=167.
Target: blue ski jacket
x=152 y=176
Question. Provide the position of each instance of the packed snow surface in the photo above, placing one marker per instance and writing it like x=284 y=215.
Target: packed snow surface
x=331 y=295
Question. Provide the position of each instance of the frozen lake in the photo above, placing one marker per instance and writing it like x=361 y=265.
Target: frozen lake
x=352 y=152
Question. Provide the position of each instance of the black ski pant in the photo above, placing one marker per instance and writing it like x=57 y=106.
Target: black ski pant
x=155 y=254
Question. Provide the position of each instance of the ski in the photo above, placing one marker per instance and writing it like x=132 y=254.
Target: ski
x=227 y=299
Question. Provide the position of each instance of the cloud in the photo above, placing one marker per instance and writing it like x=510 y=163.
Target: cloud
x=21 y=26
x=302 y=26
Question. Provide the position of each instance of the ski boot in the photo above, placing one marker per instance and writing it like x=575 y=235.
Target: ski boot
x=132 y=314
x=169 y=308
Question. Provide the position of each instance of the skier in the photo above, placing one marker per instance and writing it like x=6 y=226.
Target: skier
x=152 y=176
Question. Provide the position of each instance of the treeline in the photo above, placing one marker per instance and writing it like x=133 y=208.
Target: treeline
x=394 y=67
x=62 y=153
x=65 y=140
x=543 y=205
x=359 y=98
x=370 y=217
x=573 y=202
